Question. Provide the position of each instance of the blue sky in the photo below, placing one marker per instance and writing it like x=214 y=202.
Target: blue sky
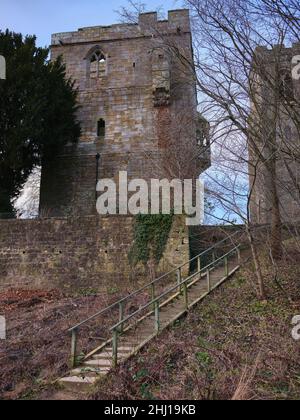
x=44 y=17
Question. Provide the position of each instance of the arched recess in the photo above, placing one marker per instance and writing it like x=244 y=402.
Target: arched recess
x=286 y=85
x=161 y=77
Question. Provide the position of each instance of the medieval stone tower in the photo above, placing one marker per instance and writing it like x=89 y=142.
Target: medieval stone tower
x=275 y=129
x=138 y=110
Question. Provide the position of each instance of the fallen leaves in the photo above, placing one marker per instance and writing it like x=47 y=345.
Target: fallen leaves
x=18 y=298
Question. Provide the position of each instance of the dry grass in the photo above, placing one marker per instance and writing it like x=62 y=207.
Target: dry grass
x=231 y=347
x=37 y=349
x=243 y=390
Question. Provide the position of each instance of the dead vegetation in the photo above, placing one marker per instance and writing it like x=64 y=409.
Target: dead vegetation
x=233 y=347
x=36 y=352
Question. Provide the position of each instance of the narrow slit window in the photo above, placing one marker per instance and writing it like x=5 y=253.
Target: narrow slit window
x=200 y=137
x=101 y=128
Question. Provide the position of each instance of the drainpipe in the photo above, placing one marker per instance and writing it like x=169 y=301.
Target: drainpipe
x=97 y=173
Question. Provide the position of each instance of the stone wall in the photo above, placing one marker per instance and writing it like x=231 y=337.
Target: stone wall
x=75 y=253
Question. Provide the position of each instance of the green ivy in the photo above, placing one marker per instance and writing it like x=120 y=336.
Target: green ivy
x=151 y=234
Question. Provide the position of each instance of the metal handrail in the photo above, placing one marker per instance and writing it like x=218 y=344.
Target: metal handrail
x=157 y=299
x=183 y=287
x=136 y=292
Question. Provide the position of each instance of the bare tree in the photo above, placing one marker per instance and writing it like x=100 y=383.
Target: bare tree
x=236 y=86
x=27 y=204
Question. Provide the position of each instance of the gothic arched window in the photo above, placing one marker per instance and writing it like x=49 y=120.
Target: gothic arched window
x=97 y=65
x=202 y=131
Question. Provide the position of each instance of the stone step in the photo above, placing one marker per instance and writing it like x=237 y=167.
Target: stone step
x=100 y=356
x=78 y=384
x=89 y=371
x=104 y=356
x=108 y=356
x=198 y=288
x=123 y=349
x=101 y=363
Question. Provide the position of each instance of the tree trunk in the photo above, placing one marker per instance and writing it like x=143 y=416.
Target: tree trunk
x=261 y=287
x=276 y=224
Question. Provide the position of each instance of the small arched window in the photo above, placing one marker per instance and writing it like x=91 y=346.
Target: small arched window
x=101 y=128
x=201 y=138
x=202 y=131
x=286 y=86
x=97 y=65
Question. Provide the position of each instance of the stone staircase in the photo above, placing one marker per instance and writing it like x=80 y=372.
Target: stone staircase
x=150 y=320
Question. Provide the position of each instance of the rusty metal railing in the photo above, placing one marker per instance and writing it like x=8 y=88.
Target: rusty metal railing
x=151 y=288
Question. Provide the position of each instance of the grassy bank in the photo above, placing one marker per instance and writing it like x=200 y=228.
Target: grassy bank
x=232 y=346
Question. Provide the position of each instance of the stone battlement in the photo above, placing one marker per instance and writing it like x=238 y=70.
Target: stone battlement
x=178 y=20
x=271 y=55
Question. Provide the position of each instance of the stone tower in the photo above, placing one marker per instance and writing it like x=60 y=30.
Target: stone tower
x=138 y=110
x=275 y=110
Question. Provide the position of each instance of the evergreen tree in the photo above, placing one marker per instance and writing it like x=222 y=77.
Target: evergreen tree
x=37 y=113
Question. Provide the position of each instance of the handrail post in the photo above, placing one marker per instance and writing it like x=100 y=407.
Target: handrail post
x=74 y=348
x=239 y=255
x=208 y=281
x=121 y=316
x=214 y=256
x=185 y=295
x=157 y=317
x=199 y=264
x=179 y=278
x=226 y=266
x=115 y=347
x=153 y=293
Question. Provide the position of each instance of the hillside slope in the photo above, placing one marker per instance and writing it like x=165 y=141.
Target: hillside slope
x=37 y=350
x=231 y=346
